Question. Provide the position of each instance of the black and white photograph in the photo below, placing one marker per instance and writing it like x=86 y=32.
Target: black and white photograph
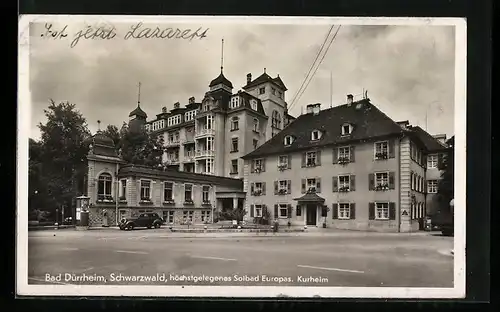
x=182 y=156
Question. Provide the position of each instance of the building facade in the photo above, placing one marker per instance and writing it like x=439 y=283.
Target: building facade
x=347 y=167
x=117 y=190
x=210 y=137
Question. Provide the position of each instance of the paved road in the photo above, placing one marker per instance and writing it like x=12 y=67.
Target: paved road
x=305 y=259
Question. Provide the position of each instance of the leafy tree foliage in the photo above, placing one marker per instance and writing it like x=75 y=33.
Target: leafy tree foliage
x=141 y=148
x=112 y=132
x=446 y=184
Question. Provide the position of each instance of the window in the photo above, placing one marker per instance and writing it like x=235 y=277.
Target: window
x=283 y=210
x=344 y=154
x=145 y=190
x=255 y=144
x=273 y=91
x=344 y=183
x=104 y=186
x=276 y=120
x=234 y=145
x=344 y=211
x=432 y=186
x=346 y=129
x=280 y=94
x=235 y=102
x=189 y=115
x=255 y=125
x=234 y=166
x=283 y=162
x=259 y=165
x=381 y=150
x=206 y=193
x=187 y=216
x=288 y=140
x=258 y=188
x=283 y=187
x=258 y=211
x=168 y=193
x=234 y=124
x=123 y=189
x=315 y=135
x=253 y=104
x=311 y=185
x=174 y=120
x=432 y=161
x=205 y=216
x=381 y=211
x=188 y=192
x=210 y=122
x=168 y=216
x=381 y=180
x=311 y=159
x=262 y=90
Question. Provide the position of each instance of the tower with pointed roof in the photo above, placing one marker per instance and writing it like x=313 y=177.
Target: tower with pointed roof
x=137 y=117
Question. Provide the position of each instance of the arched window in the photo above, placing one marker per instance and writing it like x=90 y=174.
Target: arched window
x=255 y=125
x=276 y=120
x=104 y=187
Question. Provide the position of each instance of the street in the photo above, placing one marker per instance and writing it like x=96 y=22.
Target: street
x=159 y=257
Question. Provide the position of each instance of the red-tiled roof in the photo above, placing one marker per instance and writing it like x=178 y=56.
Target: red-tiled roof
x=367 y=120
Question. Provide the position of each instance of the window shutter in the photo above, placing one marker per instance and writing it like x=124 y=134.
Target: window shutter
x=425 y=186
x=252 y=188
x=392 y=182
x=318 y=158
x=392 y=211
x=351 y=150
x=263 y=166
x=391 y=147
x=424 y=161
x=275 y=211
x=298 y=211
x=371 y=182
x=275 y=187
x=289 y=211
x=352 y=180
x=371 y=211
x=303 y=186
x=303 y=160
x=318 y=185
x=324 y=211
x=335 y=211
x=263 y=188
x=335 y=184
x=139 y=194
x=411 y=150
x=335 y=153
x=251 y=210
x=289 y=185
x=289 y=160
x=352 y=214
x=411 y=181
x=252 y=166
x=440 y=161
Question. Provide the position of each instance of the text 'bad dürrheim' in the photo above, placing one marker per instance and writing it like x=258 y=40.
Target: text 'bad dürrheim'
x=136 y=31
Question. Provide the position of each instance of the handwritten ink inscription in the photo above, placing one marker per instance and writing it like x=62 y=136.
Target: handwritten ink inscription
x=136 y=31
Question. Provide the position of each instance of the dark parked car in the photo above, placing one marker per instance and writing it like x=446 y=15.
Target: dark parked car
x=148 y=220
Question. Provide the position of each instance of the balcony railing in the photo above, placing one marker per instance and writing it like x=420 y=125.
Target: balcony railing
x=172 y=143
x=189 y=156
x=202 y=132
x=204 y=153
x=172 y=162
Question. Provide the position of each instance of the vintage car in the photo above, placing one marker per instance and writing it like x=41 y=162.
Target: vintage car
x=147 y=220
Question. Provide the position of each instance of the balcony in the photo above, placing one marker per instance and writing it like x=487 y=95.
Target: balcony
x=188 y=141
x=170 y=144
x=189 y=156
x=204 y=153
x=204 y=132
x=172 y=162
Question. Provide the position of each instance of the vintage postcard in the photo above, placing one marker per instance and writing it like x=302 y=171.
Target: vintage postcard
x=180 y=156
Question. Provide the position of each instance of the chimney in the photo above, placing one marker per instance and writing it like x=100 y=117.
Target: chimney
x=349 y=99
x=403 y=124
x=177 y=105
x=191 y=100
x=249 y=78
x=164 y=109
x=440 y=137
x=313 y=108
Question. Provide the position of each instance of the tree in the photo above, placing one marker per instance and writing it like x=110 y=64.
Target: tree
x=141 y=148
x=62 y=153
x=113 y=132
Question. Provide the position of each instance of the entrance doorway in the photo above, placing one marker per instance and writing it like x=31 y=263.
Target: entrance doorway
x=311 y=214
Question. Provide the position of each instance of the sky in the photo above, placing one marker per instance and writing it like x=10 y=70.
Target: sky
x=408 y=71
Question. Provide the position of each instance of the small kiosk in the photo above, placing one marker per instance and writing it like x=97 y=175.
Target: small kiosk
x=82 y=212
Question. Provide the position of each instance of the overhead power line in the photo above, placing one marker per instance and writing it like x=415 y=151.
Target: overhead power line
x=319 y=64
x=312 y=65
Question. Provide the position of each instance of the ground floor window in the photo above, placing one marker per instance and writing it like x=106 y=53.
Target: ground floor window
x=188 y=216
x=344 y=211
x=258 y=211
x=283 y=210
x=382 y=211
x=168 y=216
x=205 y=216
x=145 y=210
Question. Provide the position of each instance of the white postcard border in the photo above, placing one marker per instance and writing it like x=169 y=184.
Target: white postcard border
x=24 y=117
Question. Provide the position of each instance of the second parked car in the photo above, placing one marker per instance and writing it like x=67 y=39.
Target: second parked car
x=148 y=220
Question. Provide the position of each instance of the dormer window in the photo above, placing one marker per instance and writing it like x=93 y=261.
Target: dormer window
x=235 y=102
x=288 y=140
x=253 y=104
x=315 y=135
x=262 y=90
x=346 y=129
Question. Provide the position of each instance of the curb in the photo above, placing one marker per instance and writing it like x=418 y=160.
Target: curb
x=52 y=227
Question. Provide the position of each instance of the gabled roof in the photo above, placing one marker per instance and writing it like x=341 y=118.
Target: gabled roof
x=266 y=78
x=221 y=80
x=138 y=112
x=367 y=121
x=310 y=197
x=431 y=144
